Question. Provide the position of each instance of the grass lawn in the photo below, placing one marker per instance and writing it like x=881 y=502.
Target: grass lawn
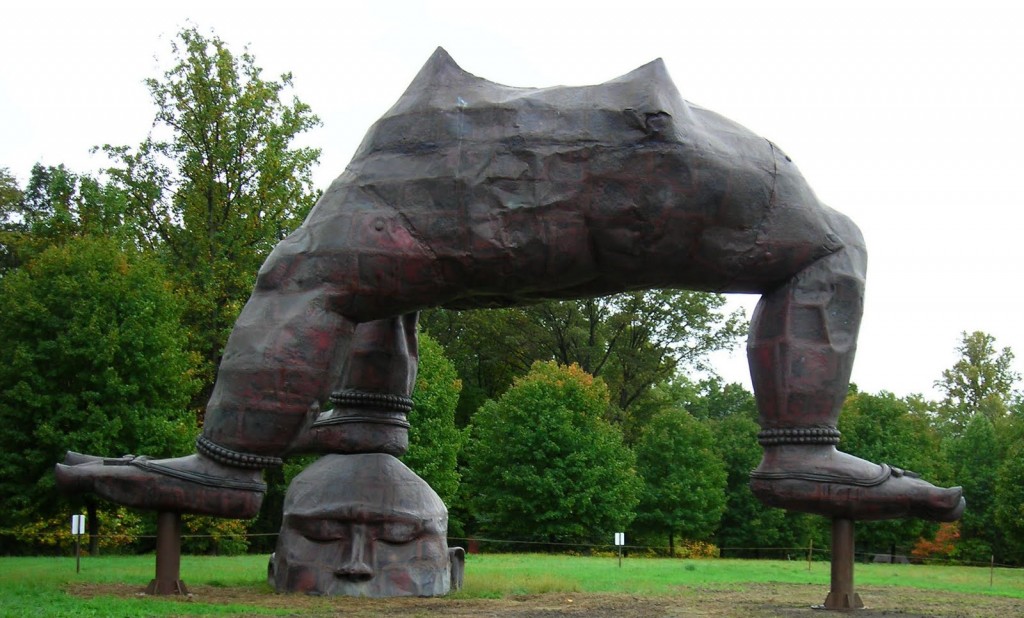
x=514 y=585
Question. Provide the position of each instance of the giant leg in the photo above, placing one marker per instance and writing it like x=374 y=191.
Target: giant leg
x=801 y=348
x=282 y=362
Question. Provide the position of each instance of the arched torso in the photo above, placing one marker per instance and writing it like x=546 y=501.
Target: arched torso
x=469 y=193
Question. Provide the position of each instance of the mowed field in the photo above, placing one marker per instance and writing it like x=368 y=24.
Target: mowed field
x=521 y=585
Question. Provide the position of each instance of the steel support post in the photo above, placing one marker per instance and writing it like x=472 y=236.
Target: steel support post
x=168 y=556
x=842 y=596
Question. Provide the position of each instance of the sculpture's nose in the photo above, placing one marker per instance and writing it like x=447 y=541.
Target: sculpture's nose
x=355 y=566
x=354 y=571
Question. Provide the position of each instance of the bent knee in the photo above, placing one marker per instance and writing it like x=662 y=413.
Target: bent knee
x=850 y=240
x=846 y=231
x=290 y=266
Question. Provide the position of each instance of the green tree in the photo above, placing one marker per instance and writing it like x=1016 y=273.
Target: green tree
x=10 y=193
x=93 y=360
x=434 y=440
x=706 y=400
x=652 y=334
x=712 y=400
x=976 y=460
x=884 y=428
x=218 y=182
x=684 y=478
x=978 y=418
x=59 y=203
x=747 y=525
x=543 y=465
x=632 y=340
x=12 y=225
x=1009 y=504
x=56 y=205
x=489 y=348
x=980 y=382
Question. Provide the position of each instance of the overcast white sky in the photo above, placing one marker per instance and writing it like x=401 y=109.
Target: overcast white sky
x=907 y=116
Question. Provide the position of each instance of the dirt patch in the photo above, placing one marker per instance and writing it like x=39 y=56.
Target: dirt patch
x=754 y=601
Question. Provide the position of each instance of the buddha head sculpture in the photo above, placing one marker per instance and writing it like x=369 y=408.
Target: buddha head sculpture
x=363 y=525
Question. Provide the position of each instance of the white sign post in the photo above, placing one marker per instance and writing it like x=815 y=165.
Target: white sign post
x=77 y=530
x=620 y=540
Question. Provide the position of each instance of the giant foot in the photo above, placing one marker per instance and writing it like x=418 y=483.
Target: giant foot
x=192 y=484
x=821 y=480
x=360 y=422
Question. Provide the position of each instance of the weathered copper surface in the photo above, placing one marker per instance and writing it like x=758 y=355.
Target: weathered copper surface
x=363 y=525
x=367 y=414
x=468 y=193
x=192 y=484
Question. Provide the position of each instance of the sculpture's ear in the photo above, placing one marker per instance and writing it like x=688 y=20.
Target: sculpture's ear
x=457 y=558
x=435 y=83
x=440 y=60
x=653 y=71
x=440 y=70
x=649 y=93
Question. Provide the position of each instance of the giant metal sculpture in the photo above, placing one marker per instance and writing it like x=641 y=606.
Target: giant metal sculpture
x=470 y=194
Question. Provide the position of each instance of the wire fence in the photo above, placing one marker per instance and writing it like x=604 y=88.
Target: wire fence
x=495 y=545
x=810 y=553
